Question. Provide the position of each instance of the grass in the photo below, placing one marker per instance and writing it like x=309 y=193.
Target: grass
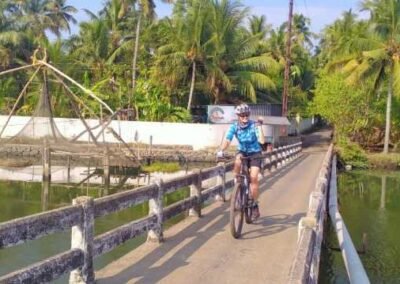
x=162 y=167
x=384 y=161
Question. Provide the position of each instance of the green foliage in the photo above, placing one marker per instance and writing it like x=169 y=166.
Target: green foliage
x=162 y=167
x=351 y=153
x=154 y=104
x=345 y=107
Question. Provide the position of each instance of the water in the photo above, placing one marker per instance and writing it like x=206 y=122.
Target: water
x=369 y=203
x=22 y=198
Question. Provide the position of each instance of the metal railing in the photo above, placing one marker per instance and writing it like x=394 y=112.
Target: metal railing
x=81 y=214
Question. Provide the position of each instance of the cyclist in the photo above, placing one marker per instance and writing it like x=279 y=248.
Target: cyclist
x=246 y=132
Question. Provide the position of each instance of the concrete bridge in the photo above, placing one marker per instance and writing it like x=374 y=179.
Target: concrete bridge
x=197 y=250
x=203 y=251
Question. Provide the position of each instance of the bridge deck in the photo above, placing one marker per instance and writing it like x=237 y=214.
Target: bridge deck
x=203 y=251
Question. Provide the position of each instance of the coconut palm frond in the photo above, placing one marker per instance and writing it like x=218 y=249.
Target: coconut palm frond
x=165 y=49
x=350 y=66
x=338 y=62
x=358 y=73
x=10 y=37
x=363 y=43
x=258 y=80
x=173 y=59
x=376 y=54
x=246 y=89
x=259 y=63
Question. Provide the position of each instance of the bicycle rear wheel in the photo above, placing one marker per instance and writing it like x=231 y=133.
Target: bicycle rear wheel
x=236 y=211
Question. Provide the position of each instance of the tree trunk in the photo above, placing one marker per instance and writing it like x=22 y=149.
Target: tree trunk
x=388 y=112
x=192 y=85
x=134 y=62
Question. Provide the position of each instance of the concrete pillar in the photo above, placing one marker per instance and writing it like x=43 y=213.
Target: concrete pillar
x=195 y=190
x=156 y=208
x=221 y=181
x=279 y=158
x=46 y=161
x=82 y=238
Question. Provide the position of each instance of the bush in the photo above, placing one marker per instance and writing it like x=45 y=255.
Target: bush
x=351 y=153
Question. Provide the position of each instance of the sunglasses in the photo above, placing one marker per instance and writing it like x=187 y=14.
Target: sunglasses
x=244 y=115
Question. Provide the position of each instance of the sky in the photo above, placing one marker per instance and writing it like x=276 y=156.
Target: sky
x=321 y=12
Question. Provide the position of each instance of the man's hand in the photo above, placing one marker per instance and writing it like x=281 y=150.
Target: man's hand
x=220 y=154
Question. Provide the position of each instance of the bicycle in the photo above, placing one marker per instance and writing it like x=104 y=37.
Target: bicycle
x=242 y=203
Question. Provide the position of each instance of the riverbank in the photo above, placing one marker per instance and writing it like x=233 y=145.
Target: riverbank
x=389 y=161
x=351 y=153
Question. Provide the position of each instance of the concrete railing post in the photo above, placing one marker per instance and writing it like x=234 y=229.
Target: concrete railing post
x=195 y=190
x=156 y=208
x=221 y=181
x=279 y=158
x=82 y=238
x=269 y=162
x=284 y=157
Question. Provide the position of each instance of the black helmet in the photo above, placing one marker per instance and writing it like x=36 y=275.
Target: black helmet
x=242 y=109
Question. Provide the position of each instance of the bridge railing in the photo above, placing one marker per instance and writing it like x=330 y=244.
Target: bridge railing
x=305 y=266
x=81 y=214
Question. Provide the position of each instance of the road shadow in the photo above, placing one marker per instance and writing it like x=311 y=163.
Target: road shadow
x=273 y=224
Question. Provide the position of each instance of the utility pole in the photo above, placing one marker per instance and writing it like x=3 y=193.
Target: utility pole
x=287 y=62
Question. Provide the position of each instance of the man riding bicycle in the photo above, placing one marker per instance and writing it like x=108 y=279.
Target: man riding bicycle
x=246 y=132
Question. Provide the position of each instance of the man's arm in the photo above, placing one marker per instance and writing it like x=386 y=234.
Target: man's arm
x=225 y=145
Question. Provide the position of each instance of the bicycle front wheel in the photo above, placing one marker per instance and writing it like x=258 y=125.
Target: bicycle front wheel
x=248 y=209
x=236 y=211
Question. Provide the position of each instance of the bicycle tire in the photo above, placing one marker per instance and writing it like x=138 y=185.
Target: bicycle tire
x=236 y=211
x=248 y=209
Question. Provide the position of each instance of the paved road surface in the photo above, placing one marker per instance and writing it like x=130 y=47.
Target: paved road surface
x=203 y=251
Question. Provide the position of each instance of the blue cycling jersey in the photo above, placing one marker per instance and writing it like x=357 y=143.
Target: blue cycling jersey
x=247 y=137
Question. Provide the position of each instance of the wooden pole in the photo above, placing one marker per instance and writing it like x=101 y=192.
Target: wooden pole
x=287 y=62
x=46 y=161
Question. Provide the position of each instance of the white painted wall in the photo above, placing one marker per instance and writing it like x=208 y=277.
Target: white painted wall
x=196 y=134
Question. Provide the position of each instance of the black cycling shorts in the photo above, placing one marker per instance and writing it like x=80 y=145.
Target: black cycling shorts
x=253 y=162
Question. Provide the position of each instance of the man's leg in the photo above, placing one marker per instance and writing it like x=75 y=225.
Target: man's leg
x=238 y=163
x=254 y=184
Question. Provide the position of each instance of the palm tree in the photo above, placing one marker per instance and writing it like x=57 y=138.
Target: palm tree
x=379 y=55
x=336 y=37
x=258 y=26
x=231 y=68
x=61 y=15
x=206 y=39
x=185 y=50
x=146 y=8
x=39 y=16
